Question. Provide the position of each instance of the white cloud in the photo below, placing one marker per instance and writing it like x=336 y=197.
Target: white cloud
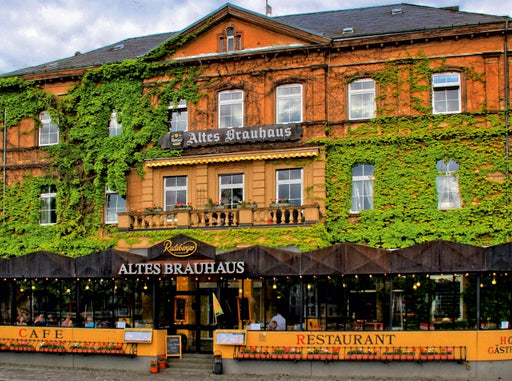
x=39 y=31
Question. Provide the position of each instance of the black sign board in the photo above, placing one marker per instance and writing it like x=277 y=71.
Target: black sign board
x=174 y=346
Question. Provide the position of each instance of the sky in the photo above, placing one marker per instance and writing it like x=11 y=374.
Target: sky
x=35 y=32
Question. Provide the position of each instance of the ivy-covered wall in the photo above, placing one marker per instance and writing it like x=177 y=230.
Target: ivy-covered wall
x=403 y=149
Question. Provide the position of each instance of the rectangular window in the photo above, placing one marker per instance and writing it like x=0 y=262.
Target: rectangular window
x=289 y=104
x=446 y=93
x=48 y=205
x=362 y=99
x=362 y=188
x=114 y=127
x=175 y=189
x=231 y=109
x=447 y=300
x=289 y=185
x=49 y=131
x=448 y=185
x=179 y=116
x=231 y=189
x=114 y=203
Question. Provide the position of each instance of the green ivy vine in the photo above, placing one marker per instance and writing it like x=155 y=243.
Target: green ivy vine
x=404 y=152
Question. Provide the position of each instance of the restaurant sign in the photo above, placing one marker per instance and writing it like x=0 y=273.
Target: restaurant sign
x=182 y=268
x=236 y=135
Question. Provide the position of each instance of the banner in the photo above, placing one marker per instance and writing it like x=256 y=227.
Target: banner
x=217 y=309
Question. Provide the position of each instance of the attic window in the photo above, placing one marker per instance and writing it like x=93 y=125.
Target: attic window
x=348 y=30
x=118 y=47
x=230 y=41
x=396 y=11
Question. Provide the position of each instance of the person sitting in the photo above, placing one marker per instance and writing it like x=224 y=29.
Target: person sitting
x=89 y=323
x=67 y=322
x=21 y=320
x=40 y=320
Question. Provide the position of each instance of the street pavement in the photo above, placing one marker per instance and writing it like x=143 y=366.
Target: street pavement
x=14 y=372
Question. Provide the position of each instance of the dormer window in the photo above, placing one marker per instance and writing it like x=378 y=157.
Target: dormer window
x=230 y=41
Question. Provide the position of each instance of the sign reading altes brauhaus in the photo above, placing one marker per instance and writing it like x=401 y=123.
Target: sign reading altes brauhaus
x=180 y=268
x=193 y=267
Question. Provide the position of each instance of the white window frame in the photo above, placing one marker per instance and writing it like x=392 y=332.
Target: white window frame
x=48 y=206
x=179 y=116
x=173 y=192
x=231 y=109
x=49 y=131
x=444 y=85
x=362 y=188
x=227 y=188
x=288 y=97
x=361 y=99
x=114 y=203
x=447 y=184
x=230 y=39
x=284 y=185
x=114 y=127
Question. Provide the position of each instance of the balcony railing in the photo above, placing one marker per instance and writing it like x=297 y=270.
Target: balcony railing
x=219 y=217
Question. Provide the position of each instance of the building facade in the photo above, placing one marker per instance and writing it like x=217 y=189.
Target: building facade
x=383 y=127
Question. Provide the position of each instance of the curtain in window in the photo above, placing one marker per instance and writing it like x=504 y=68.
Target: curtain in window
x=362 y=195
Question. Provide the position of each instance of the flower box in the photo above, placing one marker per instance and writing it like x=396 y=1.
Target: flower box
x=279 y=204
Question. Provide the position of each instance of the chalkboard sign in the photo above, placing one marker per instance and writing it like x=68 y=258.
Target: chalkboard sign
x=174 y=346
x=138 y=335
x=230 y=337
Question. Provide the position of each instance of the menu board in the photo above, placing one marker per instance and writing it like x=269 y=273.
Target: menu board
x=138 y=335
x=174 y=346
x=230 y=337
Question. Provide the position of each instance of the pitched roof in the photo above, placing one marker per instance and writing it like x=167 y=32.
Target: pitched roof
x=351 y=23
x=127 y=49
x=397 y=18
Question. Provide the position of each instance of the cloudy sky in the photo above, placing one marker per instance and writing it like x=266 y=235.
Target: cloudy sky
x=34 y=32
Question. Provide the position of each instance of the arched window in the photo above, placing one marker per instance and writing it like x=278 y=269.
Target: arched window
x=289 y=104
x=230 y=41
x=231 y=109
x=49 y=131
x=361 y=99
x=448 y=185
x=362 y=188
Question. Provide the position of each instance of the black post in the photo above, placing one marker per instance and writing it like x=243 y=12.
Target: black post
x=478 y=317
x=391 y=302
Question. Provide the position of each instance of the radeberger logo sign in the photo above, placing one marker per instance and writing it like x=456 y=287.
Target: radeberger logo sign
x=180 y=250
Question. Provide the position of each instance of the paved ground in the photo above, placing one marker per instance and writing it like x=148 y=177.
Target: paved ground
x=9 y=372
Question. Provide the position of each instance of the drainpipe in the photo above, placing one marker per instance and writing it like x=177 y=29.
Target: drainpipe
x=505 y=50
x=5 y=163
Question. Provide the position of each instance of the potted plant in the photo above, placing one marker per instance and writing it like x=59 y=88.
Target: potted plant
x=181 y=205
x=215 y=204
x=153 y=209
x=279 y=202
x=162 y=361
x=247 y=204
x=153 y=366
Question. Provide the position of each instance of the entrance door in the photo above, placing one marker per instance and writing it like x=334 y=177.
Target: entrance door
x=188 y=309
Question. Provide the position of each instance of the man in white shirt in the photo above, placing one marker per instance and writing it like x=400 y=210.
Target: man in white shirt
x=277 y=323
